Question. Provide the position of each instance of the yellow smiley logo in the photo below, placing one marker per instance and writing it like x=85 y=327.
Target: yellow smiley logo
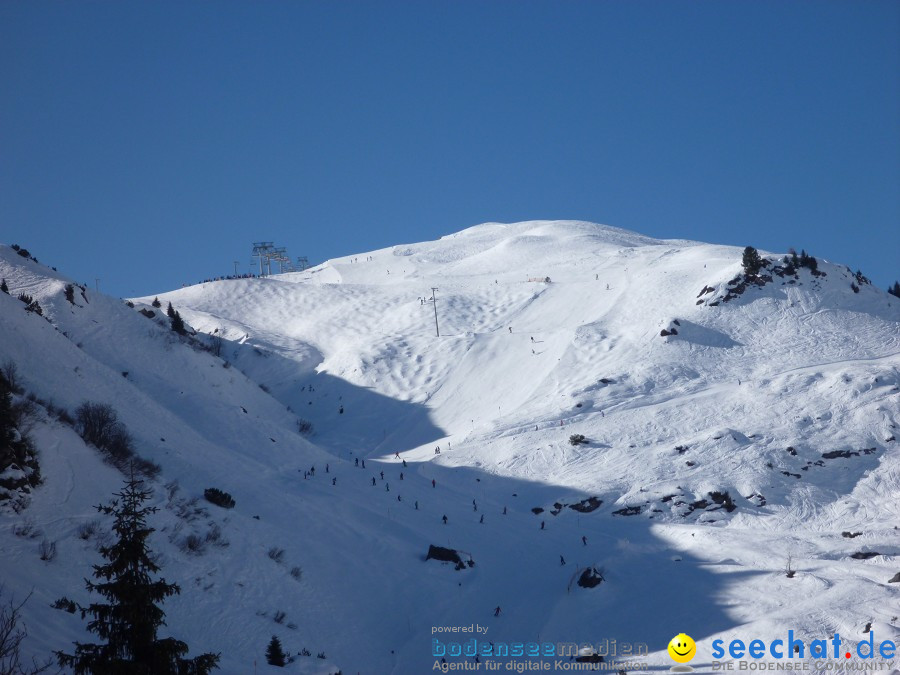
x=682 y=648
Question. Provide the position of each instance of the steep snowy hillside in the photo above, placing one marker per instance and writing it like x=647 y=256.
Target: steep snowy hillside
x=730 y=427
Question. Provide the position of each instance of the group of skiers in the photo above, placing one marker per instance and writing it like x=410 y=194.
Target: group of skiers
x=361 y=463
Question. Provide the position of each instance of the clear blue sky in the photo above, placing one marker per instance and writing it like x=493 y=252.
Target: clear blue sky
x=149 y=143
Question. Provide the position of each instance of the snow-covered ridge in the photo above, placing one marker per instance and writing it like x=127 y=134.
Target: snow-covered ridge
x=785 y=398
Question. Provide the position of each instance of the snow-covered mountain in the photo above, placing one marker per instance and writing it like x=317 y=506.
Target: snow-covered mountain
x=731 y=425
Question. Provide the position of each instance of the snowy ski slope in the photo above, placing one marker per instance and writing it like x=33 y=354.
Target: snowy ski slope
x=349 y=346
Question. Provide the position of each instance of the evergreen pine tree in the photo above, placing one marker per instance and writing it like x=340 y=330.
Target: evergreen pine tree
x=812 y=263
x=4 y=287
x=175 y=319
x=15 y=448
x=895 y=289
x=129 y=620
x=178 y=323
x=156 y=303
x=274 y=653
x=751 y=260
x=70 y=293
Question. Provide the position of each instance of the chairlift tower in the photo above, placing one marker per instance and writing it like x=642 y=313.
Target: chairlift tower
x=265 y=252
x=280 y=256
x=262 y=250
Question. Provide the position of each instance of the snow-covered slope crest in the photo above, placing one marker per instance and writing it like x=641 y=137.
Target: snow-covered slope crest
x=555 y=229
x=721 y=439
x=501 y=248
